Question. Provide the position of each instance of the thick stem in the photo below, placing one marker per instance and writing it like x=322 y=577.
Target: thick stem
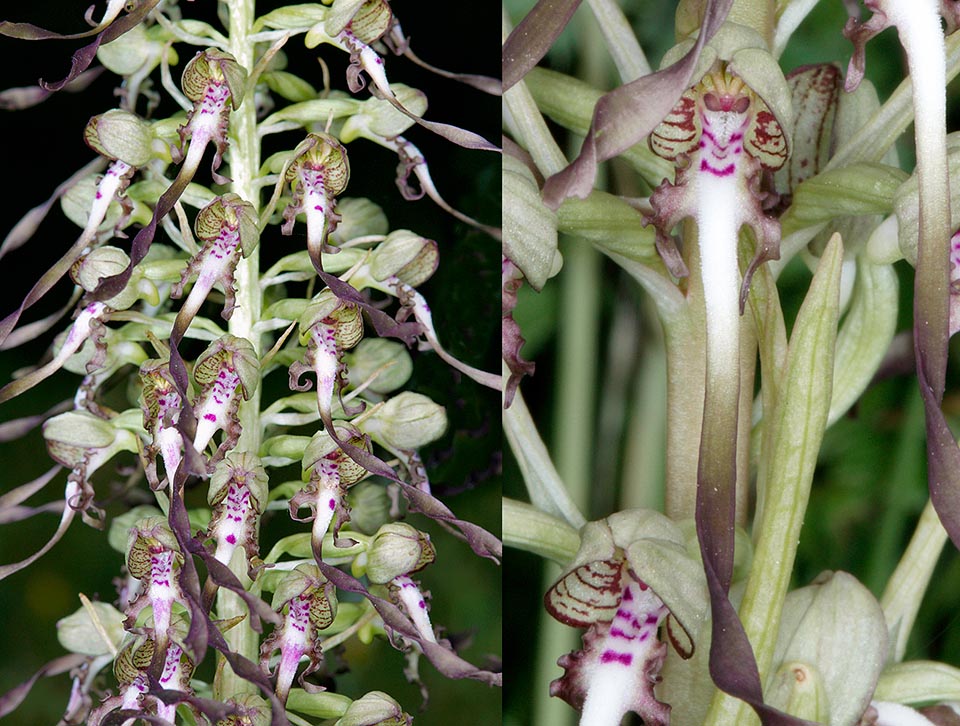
x=244 y=158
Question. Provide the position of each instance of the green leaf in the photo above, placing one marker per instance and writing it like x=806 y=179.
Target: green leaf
x=291 y=87
x=292 y=17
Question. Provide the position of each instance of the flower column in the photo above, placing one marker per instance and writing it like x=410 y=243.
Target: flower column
x=244 y=164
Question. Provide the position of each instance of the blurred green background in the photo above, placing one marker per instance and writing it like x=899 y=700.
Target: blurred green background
x=43 y=145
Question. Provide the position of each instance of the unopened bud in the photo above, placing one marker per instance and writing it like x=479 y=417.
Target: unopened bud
x=407 y=421
x=375 y=709
x=120 y=135
x=389 y=359
x=398 y=549
x=405 y=255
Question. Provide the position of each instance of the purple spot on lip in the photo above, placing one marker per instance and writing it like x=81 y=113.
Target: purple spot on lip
x=422 y=605
x=333 y=504
x=612 y=656
x=210 y=416
x=231 y=539
x=725 y=171
x=628 y=594
x=652 y=619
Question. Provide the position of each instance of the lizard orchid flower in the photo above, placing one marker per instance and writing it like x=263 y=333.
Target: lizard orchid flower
x=319 y=172
x=328 y=472
x=308 y=603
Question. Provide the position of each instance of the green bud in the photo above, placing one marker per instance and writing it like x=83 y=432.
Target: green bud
x=131 y=51
x=78 y=634
x=380 y=119
x=122 y=135
x=529 y=227
x=390 y=357
x=102 y=262
x=360 y=217
x=837 y=627
x=398 y=549
x=798 y=688
x=375 y=709
x=407 y=421
x=369 y=507
x=71 y=435
x=405 y=255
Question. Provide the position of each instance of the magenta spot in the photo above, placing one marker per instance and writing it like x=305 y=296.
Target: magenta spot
x=422 y=605
x=738 y=150
x=231 y=539
x=703 y=144
x=332 y=504
x=644 y=635
x=210 y=417
x=725 y=171
x=736 y=137
x=612 y=656
x=628 y=594
x=651 y=619
x=625 y=614
x=618 y=633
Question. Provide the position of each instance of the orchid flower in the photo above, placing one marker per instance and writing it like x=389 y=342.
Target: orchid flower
x=328 y=472
x=319 y=172
x=309 y=604
x=226 y=372
x=238 y=493
x=154 y=557
x=161 y=404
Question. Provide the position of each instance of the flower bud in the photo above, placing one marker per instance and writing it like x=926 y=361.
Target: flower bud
x=375 y=709
x=133 y=659
x=405 y=255
x=78 y=200
x=78 y=634
x=359 y=217
x=389 y=357
x=398 y=549
x=369 y=507
x=407 y=421
x=71 y=436
x=120 y=135
x=102 y=262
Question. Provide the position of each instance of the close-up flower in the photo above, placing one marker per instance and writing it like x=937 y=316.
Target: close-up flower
x=729 y=289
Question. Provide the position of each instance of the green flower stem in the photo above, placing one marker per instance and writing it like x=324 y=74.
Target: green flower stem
x=796 y=429
x=244 y=165
x=904 y=592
